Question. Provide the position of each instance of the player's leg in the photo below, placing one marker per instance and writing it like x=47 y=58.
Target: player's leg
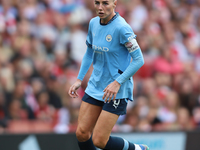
x=88 y=116
x=103 y=128
x=107 y=119
x=101 y=134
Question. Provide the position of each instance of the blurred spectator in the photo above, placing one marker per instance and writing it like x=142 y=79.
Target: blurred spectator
x=186 y=94
x=167 y=113
x=131 y=121
x=184 y=121
x=54 y=98
x=15 y=110
x=19 y=95
x=45 y=111
x=3 y=113
x=63 y=120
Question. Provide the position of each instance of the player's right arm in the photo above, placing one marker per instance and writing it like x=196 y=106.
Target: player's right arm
x=85 y=65
x=73 y=89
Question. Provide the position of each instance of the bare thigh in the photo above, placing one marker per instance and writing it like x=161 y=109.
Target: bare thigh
x=103 y=128
x=88 y=115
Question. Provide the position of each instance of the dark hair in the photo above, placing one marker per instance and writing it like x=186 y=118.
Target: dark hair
x=37 y=95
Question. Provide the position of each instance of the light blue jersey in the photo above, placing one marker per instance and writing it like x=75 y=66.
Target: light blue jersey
x=110 y=57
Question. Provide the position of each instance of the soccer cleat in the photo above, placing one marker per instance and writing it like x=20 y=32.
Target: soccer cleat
x=144 y=147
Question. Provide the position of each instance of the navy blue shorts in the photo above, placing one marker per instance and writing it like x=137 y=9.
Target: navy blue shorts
x=117 y=107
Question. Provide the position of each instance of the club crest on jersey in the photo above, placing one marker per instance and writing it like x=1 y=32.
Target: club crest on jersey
x=108 y=38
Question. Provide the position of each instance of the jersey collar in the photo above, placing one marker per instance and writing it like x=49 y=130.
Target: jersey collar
x=113 y=18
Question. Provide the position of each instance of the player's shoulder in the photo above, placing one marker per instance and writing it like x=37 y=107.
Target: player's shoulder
x=121 y=23
x=94 y=20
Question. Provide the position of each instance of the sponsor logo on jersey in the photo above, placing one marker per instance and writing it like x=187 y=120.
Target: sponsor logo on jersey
x=109 y=38
x=98 y=52
x=99 y=48
x=116 y=103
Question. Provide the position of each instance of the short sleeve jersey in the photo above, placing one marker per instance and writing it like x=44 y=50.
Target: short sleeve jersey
x=111 y=57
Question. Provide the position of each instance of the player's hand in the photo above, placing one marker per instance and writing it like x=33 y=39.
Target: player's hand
x=73 y=89
x=111 y=91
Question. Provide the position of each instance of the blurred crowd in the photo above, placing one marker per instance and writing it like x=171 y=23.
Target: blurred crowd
x=42 y=43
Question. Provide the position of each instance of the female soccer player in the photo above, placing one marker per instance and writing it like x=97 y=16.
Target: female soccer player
x=111 y=44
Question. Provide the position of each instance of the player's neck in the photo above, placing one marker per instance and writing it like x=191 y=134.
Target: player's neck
x=108 y=18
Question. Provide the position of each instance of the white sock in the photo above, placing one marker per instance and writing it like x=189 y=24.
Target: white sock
x=137 y=147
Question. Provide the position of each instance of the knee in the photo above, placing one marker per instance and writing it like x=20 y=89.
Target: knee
x=82 y=135
x=99 y=142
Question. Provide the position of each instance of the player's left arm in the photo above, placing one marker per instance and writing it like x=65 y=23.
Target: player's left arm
x=128 y=39
x=137 y=62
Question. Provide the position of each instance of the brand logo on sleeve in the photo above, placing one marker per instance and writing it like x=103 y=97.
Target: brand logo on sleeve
x=109 y=38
